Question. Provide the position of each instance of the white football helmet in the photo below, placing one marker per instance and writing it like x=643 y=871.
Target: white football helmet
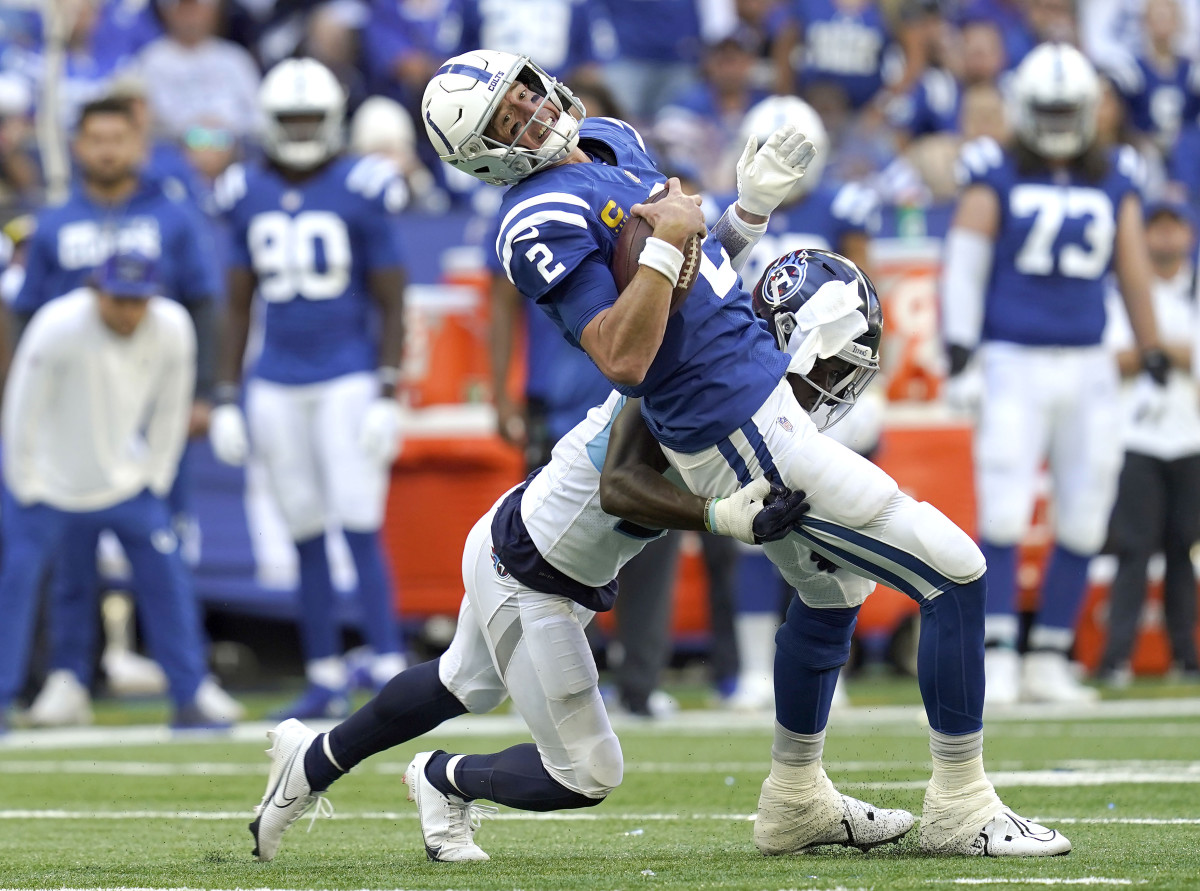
x=1055 y=94
x=769 y=115
x=462 y=97
x=304 y=107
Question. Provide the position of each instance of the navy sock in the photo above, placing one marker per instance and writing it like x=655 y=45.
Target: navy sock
x=379 y=624
x=810 y=647
x=320 y=634
x=410 y=704
x=515 y=777
x=1064 y=588
x=950 y=658
x=1002 y=578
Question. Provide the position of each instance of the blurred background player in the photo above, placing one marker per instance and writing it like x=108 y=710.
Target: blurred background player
x=1158 y=497
x=313 y=234
x=94 y=422
x=115 y=204
x=1036 y=230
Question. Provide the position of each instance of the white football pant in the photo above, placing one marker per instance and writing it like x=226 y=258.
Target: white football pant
x=1055 y=404
x=518 y=642
x=859 y=518
x=307 y=438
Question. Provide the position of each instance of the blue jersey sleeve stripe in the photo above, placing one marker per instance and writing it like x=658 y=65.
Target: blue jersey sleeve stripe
x=530 y=222
x=544 y=198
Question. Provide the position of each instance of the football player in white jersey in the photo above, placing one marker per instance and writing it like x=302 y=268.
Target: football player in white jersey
x=536 y=568
x=1039 y=226
x=711 y=377
x=314 y=237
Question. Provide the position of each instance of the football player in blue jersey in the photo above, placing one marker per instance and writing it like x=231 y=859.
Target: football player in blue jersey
x=1038 y=228
x=711 y=378
x=314 y=235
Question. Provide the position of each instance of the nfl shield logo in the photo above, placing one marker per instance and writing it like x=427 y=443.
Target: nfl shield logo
x=785 y=424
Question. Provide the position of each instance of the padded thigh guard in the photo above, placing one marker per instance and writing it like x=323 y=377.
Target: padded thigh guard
x=910 y=546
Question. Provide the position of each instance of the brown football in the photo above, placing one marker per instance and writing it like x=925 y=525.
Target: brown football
x=629 y=247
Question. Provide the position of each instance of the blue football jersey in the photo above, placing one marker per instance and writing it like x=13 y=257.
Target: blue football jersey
x=1054 y=247
x=717 y=363
x=75 y=237
x=311 y=246
x=844 y=47
x=1158 y=102
x=820 y=220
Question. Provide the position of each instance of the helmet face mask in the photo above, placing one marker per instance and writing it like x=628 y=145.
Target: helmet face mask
x=464 y=96
x=304 y=108
x=1057 y=94
x=834 y=384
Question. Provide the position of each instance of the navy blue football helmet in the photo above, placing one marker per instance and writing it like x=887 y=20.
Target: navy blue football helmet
x=785 y=286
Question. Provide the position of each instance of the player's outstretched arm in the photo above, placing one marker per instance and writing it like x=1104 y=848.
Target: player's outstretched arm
x=226 y=426
x=633 y=488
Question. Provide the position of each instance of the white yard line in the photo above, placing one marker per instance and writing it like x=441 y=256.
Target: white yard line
x=513 y=816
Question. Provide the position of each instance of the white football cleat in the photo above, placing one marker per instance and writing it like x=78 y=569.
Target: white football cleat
x=212 y=699
x=288 y=794
x=1002 y=676
x=1047 y=676
x=974 y=822
x=1010 y=835
x=63 y=702
x=448 y=823
x=784 y=826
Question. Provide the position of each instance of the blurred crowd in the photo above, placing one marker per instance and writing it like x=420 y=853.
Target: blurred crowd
x=898 y=86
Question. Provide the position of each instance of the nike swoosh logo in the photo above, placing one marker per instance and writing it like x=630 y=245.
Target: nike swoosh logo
x=279 y=795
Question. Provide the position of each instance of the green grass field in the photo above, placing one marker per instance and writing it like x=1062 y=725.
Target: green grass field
x=127 y=806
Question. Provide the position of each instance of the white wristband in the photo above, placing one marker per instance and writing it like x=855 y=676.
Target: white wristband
x=662 y=257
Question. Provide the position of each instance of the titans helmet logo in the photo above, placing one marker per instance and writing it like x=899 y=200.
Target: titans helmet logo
x=783 y=282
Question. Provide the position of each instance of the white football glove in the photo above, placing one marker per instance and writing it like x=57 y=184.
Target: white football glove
x=744 y=515
x=227 y=434
x=1149 y=400
x=964 y=391
x=766 y=175
x=379 y=435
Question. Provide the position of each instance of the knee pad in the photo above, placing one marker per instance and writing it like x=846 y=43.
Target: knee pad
x=817 y=639
x=1082 y=533
x=925 y=532
x=602 y=770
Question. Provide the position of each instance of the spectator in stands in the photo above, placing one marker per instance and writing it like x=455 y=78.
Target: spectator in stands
x=95 y=416
x=572 y=40
x=1158 y=498
x=658 y=50
x=166 y=160
x=1009 y=19
x=401 y=47
x=931 y=104
x=191 y=73
x=983 y=55
x=332 y=39
x=1112 y=29
x=697 y=128
x=19 y=176
x=834 y=43
x=1158 y=84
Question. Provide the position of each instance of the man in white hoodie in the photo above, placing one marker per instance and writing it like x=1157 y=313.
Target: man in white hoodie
x=94 y=421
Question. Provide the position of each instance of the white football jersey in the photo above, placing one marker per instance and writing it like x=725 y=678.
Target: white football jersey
x=561 y=505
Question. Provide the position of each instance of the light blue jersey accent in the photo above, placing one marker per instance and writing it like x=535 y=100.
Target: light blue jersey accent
x=597 y=447
x=312 y=246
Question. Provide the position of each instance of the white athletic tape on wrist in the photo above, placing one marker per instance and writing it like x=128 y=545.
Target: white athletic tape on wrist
x=662 y=257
